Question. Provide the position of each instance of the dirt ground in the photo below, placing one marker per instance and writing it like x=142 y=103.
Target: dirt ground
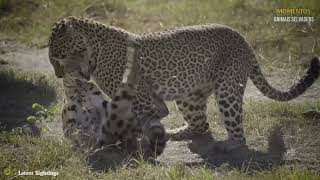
x=193 y=152
x=24 y=58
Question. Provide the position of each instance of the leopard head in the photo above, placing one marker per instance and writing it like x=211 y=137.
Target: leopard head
x=68 y=49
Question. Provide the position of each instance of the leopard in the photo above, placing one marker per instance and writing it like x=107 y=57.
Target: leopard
x=83 y=112
x=90 y=119
x=184 y=64
x=155 y=130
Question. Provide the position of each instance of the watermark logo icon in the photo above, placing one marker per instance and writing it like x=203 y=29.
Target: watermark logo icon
x=7 y=171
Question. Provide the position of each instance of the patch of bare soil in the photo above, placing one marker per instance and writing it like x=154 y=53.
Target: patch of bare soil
x=203 y=149
x=293 y=149
x=23 y=57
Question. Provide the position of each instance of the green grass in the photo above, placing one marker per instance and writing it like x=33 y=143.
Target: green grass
x=55 y=154
x=277 y=45
x=32 y=153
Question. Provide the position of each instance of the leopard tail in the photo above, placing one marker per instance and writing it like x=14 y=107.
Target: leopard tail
x=295 y=90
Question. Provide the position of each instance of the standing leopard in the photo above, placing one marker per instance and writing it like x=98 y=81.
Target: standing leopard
x=185 y=65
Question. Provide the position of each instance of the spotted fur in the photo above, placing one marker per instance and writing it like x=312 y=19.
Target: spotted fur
x=89 y=117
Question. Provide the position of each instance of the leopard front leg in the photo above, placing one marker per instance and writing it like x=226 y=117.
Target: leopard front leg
x=154 y=136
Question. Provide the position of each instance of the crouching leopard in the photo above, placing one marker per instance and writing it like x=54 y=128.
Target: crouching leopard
x=185 y=65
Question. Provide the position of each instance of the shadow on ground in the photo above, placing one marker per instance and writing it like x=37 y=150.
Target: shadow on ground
x=17 y=96
x=204 y=150
x=208 y=149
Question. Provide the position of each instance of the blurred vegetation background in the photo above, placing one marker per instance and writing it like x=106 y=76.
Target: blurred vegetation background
x=277 y=44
